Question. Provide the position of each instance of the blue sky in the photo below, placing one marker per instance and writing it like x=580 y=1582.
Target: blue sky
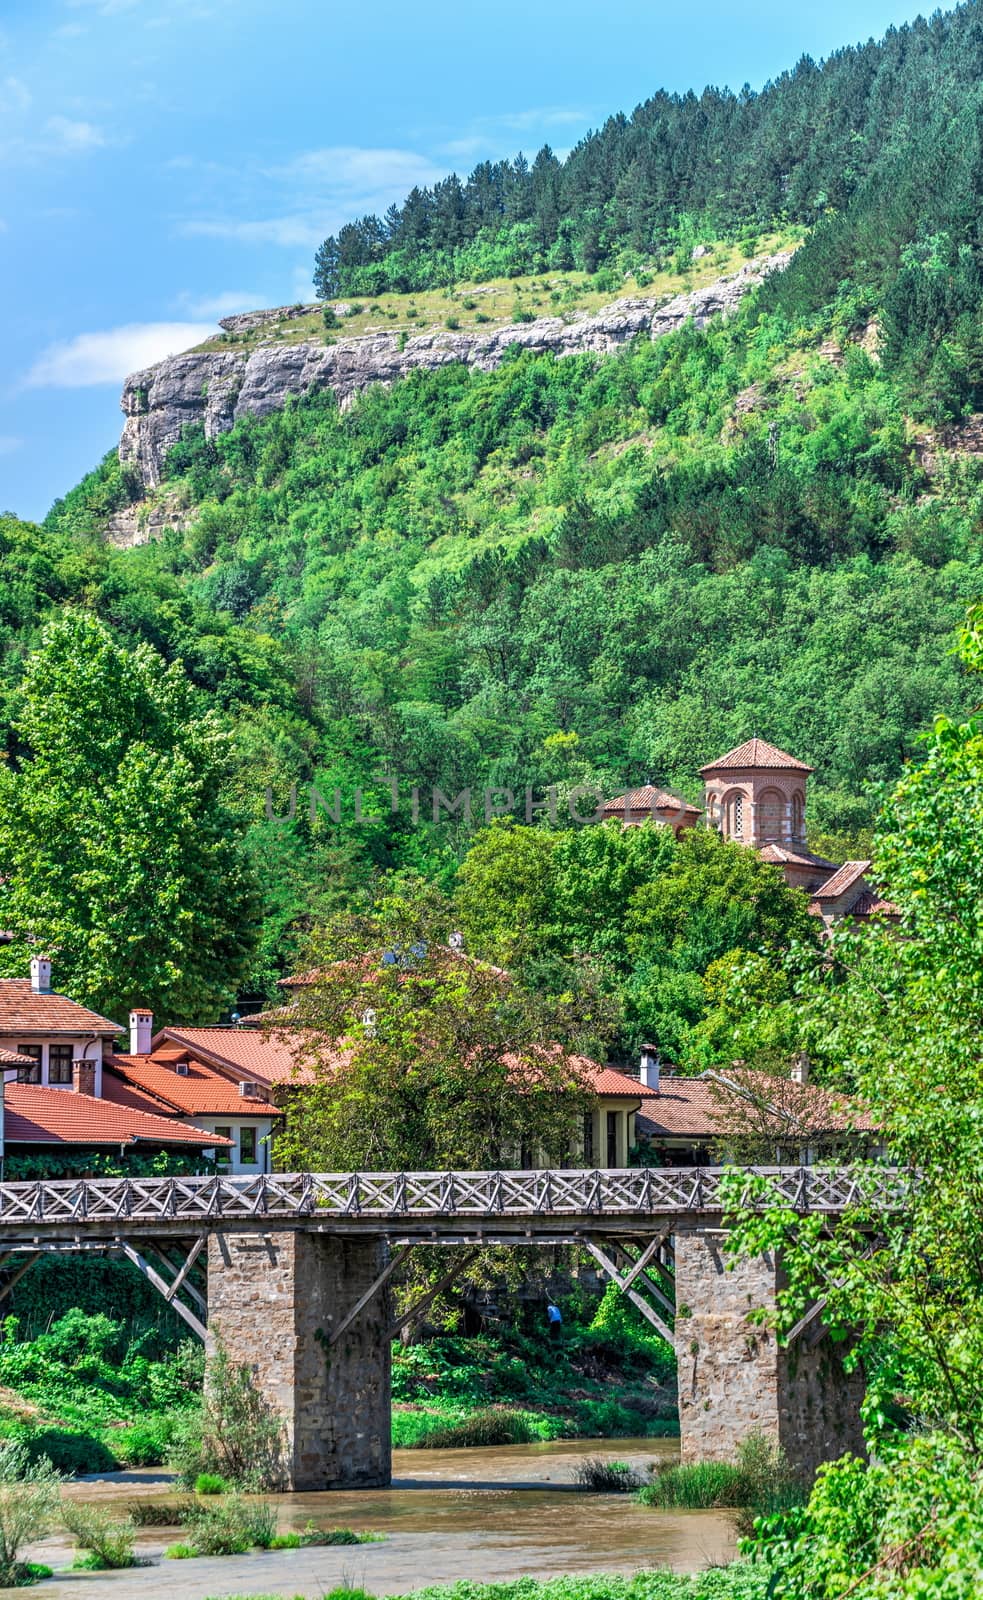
x=163 y=162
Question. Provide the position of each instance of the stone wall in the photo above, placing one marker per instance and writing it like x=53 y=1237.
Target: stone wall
x=273 y=1298
x=217 y=387
x=734 y=1378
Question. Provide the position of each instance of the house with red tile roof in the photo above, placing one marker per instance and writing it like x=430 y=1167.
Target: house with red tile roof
x=55 y=1071
x=170 y=1079
x=691 y=1121
x=608 y=1132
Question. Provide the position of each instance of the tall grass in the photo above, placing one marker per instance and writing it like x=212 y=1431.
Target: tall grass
x=759 y=1482
x=431 y=1430
x=695 y=1486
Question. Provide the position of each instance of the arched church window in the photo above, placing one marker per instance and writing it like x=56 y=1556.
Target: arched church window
x=798 y=817
x=736 y=810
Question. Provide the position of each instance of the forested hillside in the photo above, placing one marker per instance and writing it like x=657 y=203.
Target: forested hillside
x=596 y=570
x=805 y=148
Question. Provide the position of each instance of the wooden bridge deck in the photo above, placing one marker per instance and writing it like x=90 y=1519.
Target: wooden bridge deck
x=539 y=1204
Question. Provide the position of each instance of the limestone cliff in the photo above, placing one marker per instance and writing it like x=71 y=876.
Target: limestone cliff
x=218 y=387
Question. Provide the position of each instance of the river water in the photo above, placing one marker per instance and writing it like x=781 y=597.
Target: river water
x=488 y=1515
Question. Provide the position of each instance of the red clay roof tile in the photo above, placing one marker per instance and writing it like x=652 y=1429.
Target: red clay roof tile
x=36 y=1115
x=203 y=1092
x=23 y=1011
x=756 y=753
x=649 y=799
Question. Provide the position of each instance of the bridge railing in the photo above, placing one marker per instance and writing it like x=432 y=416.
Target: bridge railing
x=391 y=1195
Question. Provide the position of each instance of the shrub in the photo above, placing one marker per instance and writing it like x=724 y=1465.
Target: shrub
x=469 y=304
x=480 y=316
x=606 y=1477
x=491 y=1425
x=330 y=317
x=71 y=1454
x=235 y=1435
x=520 y=314
x=770 y=1484
x=157 y=1513
x=760 y=1482
x=694 y=1486
x=145 y=1444
x=28 y=1498
x=210 y=1483
x=231 y=1527
x=108 y=1541
x=452 y=322
x=180 y=1552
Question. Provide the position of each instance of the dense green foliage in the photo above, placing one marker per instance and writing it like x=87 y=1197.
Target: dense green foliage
x=895 y=1016
x=820 y=140
x=659 y=918
x=738 y=1582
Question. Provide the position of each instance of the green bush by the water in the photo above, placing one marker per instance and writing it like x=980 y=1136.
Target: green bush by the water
x=105 y=1542
x=759 y=1482
x=697 y=1486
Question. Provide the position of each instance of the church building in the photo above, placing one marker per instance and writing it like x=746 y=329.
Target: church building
x=755 y=795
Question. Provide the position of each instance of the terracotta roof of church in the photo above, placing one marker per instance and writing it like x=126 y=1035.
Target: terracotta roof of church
x=757 y=753
x=797 y=857
x=648 y=798
x=850 y=873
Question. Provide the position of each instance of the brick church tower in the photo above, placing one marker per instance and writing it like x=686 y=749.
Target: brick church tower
x=756 y=795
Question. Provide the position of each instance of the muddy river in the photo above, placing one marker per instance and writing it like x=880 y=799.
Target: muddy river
x=488 y=1515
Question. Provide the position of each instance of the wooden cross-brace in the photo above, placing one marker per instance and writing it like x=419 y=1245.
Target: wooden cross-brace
x=384 y=1276
x=168 y=1290
x=638 y=1273
x=419 y=1306
x=624 y=1282
x=16 y=1276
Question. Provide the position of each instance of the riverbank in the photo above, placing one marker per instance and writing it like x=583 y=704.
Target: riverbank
x=484 y=1516
x=93 y=1398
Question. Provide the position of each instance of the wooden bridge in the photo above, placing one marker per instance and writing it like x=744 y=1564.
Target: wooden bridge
x=293 y=1271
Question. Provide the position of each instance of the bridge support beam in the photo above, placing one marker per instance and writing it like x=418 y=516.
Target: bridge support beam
x=273 y=1300
x=734 y=1377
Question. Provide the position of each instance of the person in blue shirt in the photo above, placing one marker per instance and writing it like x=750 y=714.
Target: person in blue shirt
x=554 y=1317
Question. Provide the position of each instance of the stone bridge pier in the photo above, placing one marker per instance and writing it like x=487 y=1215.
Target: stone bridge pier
x=277 y=1300
x=735 y=1378
x=274 y=1299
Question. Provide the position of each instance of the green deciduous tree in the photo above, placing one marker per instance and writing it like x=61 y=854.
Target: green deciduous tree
x=424 y=1058
x=895 y=1015
x=119 y=857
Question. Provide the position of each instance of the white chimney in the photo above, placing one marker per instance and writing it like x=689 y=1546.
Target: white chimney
x=40 y=975
x=141 y=1032
x=800 y=1067
x=651 y=1067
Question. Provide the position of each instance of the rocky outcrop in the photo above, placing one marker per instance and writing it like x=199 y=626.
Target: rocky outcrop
x=219 y=387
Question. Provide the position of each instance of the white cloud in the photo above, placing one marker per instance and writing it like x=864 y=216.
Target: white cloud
x=352 y=167
x=67 y=134
x=322 y=189
x=14 y=95
x=222 y=304
x=301 y=230
x=110 y=356
x=9 y=443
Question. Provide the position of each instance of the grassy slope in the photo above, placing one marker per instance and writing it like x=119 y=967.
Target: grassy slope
x=493 y=303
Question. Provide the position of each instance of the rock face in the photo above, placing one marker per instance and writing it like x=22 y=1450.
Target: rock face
x=219 y=387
